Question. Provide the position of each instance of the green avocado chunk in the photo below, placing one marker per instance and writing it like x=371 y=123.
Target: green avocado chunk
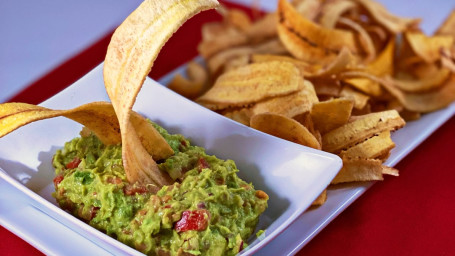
x=209 y=210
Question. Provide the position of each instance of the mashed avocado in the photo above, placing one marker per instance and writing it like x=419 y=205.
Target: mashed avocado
x=208 y=211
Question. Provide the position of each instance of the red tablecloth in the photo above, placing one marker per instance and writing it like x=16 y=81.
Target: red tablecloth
x=408 y=215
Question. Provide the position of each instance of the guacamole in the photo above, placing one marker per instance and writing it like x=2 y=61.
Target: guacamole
x=209 y=210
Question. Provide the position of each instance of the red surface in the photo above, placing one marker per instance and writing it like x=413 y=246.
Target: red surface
x=409 y=215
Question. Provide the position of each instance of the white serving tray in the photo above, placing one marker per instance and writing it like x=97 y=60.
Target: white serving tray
x=309 y=224
x=292 y=175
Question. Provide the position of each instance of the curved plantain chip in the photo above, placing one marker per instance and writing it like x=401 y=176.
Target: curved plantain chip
x=253 y=83
x=424 y=102
x=193 y=86
x=360 y=129
x=332 y=11
x=392 y=23
x=99 y=117
x=134 y=46
x=285 y=128
x=428 y=48
x=310 y=42
x=448 y=26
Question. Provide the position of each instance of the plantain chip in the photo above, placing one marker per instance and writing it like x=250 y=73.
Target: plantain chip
x=331 y=114
x=308 y=41
x=424 y=102
x=392 y=23
x=372 y=148
x=362 y=128
x=424 y=84
x=99 y=117
x=132 y=50
x=448 y=26
x=428 y=48
x=193 y=86
x=253 y=83
x=321 y=199
x=289 y=105
x=285 y=128
x=332 y=11
x=309 y=9
x=360 y=100
x=359 y=169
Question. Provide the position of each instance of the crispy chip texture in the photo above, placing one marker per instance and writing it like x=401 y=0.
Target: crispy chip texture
x=99 y=117
x=285 y=128
x=252 y=83
x=134 y=46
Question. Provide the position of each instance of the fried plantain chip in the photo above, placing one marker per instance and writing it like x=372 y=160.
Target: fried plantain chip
x=132 y=50
x=424 y=102
x=99 y=117
x=216 y=62
x=331 y=114
x=448 y=26
x=285 y=128
x=289 y=105
x=306 y=69
x=332 y=11
x=360 y=129
x=309 y=9
x=360 y=100
x=308 y=41
x=428 y=48
x=392 y=23
x=372 y=148
x=193 y=86
x=320 y=200
x=364 y=38
x=425 y=84
x=253 y=83
x=242 y=116
x=359 y=169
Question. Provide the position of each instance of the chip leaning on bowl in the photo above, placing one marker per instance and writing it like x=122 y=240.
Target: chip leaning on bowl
x=209 y=211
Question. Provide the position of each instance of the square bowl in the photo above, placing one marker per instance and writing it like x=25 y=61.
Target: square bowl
x=292 y=175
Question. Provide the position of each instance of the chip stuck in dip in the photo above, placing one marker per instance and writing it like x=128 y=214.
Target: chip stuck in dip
x=209 y=211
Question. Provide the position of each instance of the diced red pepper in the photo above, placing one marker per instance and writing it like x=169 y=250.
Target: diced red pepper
x=193 y=220
x=73 y=164
x=131 y=190
x=202 y=164
x=57 y=180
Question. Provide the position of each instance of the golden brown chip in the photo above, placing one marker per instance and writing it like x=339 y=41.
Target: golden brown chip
x=306 y=69
x=194 y=85
x=358 y=169
x=253 y=83
x=99 y=117
x=242 y=116
x=372 y=148
x=428 y=83
x=332 y=11
x=289 y=105
x=362 y=128
x=393 y=23
x=364 y=38
x=360 y=99
x=448 y=26
x=428 y=48
x=390 y=171
x=285 y=128
x=320 y=200
x=331 y=114
x=217 y=61
x=425 y=102
x=309 y=9
x=134 y=46
x=308 y=41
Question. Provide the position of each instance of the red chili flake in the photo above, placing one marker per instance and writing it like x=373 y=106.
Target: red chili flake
x=131 y=190
x=73 y=164
x=202 y=164
x=193 y=220
x=57 y=180
x=93 y=212
x=241 y=246
x=114 y=180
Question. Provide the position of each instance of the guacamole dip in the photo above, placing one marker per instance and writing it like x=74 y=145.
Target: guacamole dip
x=208 y=211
